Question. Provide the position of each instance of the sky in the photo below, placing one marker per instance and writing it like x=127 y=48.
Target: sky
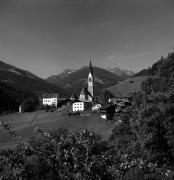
x=48 y=36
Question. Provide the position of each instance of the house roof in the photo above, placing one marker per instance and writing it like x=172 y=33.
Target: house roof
x=77 y=101
x=107 y=107
x=85 y=102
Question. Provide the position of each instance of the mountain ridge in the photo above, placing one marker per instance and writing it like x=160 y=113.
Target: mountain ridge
x=121 y=72
x=8 y=67
x=26 y=81
x=73 y=82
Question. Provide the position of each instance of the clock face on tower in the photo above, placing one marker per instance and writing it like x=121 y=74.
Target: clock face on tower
x=90 y=79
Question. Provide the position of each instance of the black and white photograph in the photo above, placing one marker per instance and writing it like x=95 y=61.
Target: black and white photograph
x=86 y=89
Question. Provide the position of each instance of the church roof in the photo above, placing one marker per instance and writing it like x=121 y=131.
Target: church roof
x=90 y=68
x=84 y=92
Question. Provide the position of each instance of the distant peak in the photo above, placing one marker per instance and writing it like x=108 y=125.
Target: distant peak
x=121 y=72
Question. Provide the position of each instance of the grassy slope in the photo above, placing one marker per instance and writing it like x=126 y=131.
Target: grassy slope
x=51 y=121
x=127 y=86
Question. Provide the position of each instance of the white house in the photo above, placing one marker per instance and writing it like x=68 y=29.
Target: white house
x=81 y=106
x=78 y=106
x=50 y=99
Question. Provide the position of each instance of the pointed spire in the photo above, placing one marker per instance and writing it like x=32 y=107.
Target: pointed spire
x=90 y=68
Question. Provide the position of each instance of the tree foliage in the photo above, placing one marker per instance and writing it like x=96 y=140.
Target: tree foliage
x=59 y=155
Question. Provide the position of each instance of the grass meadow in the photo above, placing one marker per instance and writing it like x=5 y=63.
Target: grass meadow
x=24 y=123
x=127 y=86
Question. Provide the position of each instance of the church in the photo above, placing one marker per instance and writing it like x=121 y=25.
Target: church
x=87 y=94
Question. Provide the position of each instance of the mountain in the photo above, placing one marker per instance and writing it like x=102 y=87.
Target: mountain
x=128 y=72
x=9 y=68
x=157 y=78
x=75 y=81
x=25 y=81
x=59 y=77
x=65 y=73
x=121 y=72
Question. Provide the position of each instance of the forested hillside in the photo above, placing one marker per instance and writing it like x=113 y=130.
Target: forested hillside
x=7 y=103
x=162 y=73
x=11 y=98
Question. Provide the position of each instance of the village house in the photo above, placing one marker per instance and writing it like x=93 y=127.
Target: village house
x=80 y=106
x=50 y=99
x=115 y=100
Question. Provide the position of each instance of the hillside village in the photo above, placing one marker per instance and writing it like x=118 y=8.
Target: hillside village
x=88 y=101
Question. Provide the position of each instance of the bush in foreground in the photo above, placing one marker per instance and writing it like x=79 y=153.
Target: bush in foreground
x=81 y=156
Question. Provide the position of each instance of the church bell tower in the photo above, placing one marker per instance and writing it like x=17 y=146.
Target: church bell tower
x=90 y=83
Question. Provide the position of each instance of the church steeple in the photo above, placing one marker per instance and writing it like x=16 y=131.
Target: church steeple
x=90 y=68
x=90 y=82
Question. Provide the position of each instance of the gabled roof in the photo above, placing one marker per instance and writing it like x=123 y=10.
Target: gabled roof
x=84 y=92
